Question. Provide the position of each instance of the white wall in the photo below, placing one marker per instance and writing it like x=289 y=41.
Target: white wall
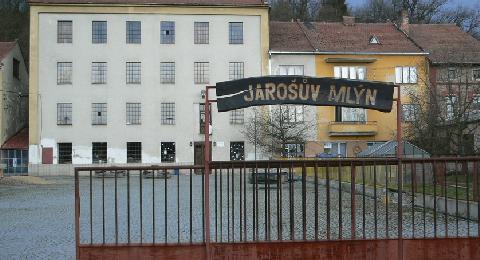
x=14 y=94
x=150 y=93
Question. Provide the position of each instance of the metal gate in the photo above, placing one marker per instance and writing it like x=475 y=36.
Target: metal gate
x=309 y=209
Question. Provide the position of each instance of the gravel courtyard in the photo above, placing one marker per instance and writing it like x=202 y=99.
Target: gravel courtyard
x=37 y=221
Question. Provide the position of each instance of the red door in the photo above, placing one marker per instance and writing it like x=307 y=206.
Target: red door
x=47 y=155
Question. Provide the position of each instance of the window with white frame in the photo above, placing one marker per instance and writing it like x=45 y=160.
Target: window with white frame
x=410 y=112
x=99 y=32
x=134 y=113
x=476 y=74
x=167 y=32
x=452 y=73
x=295 y=113
x=349 y=72
x=237 y=117
x=201 y=72
x=168 y=113
x=350 y=114
x=338 y=149
x=64 y=73
x=134 y=32
x=290 y=70
x=235 y=32
x=450 y=104
x=64 y=31
x=235 y=70
x=201 y=32
x=134 y=72
x=406 y=75
x=167 y=152
x=99 y=113
x=294 y=150
x=64 y=113
x=99 y=72
x=167 y=72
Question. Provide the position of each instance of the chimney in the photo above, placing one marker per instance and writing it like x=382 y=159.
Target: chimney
x=405 y=22
x=349 y=20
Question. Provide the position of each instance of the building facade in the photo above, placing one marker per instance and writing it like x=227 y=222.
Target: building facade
x=126 y=83
x=374 y=52
x=454 y=81
x=13 y=109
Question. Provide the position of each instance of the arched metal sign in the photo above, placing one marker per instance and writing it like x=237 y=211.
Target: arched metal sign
x=275 y=90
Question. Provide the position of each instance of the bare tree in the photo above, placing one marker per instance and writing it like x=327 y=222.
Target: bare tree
x=444 y=117
x=463 y=17
x=272 y=129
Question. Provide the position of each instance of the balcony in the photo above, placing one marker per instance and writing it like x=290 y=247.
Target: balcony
x=368 y=128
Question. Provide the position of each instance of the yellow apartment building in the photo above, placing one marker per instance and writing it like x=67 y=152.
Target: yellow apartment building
x=357 y=51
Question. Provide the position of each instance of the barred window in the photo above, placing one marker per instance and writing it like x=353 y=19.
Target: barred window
x=64 y=153
x=236 y=33
x=99 y=152
x=202 y=117
x=167 y=72
x=201 y=72
x=235 y=70
x=236 y=117
x=237 y=151
x=134 y=152
x=64 y=113
x=64 y=31
x=64 y=73
x=99 y=32
x=167 y=32
x=134 y=113
x=134 y=72
x=168 y=151
x=168 y=113
x=99 y=113
x=134 y=32
x=201 y=32
x=99 y=72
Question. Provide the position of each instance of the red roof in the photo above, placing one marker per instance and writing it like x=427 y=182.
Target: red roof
x=158 y=2
x=18 y=141
x=338 y=37
x=5 y=48
x=446 y=43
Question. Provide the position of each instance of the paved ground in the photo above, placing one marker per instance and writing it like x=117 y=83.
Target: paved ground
x=37 y=221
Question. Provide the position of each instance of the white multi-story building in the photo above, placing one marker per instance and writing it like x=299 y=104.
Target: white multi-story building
x=124 y=83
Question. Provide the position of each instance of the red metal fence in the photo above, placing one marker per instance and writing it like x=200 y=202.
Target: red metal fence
x=334 y=208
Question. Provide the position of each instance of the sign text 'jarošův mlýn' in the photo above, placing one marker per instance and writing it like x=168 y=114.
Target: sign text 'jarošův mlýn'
x=277 y=90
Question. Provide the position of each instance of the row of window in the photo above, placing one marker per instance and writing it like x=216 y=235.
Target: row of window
x=133 y=32
x=403 y=75
x=459 y=73
x=134 y=114
x=133 y=72
x=134 y=152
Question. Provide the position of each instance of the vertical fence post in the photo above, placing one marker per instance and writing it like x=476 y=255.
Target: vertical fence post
x=77 y=214
x=400 y=173
x=206 y=173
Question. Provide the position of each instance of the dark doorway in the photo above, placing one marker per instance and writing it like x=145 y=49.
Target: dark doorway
x=199 y=153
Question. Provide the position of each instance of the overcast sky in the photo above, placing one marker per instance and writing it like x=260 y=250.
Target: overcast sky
x=451 y=2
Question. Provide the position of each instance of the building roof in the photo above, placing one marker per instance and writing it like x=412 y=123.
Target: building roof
x=338 y=37
x=446 y=43
x=158 y=2
x=18 y=141
x=5 y=48
x=389 y=149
